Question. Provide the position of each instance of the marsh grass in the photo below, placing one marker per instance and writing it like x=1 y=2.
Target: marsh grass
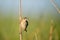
x=9 y=28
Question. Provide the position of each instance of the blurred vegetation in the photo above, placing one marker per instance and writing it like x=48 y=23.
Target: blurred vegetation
x=9 y=27
x=39 y=12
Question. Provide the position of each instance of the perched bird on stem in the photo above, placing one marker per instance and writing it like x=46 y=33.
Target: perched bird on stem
x=24 y=24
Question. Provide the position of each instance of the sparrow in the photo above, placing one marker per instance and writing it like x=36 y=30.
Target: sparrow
x=24 y=24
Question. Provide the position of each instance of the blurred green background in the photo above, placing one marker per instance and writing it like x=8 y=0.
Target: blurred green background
x=39 y=12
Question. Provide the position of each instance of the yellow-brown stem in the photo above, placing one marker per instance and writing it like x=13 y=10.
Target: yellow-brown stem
x=55 y=5
x=20 y=19
x=51 y=30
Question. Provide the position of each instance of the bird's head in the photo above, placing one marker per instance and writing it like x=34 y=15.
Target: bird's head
x=25 y=18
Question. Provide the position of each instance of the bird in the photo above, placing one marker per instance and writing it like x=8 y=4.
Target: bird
x=24 y=24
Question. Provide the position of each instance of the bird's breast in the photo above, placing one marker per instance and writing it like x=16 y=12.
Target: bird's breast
x=23 y=25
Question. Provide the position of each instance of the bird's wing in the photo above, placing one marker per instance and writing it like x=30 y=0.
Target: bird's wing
x=26 y=23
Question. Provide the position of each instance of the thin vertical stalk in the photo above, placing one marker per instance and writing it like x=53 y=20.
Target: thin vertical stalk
x=51 y=30
x=20 y=19
x=36 y=36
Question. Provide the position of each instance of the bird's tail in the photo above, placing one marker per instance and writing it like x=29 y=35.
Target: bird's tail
x=25 y=30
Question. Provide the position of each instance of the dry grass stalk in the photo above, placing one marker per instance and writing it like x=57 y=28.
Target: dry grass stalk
x=51 y=30
x=20 y=32
x=36 y=36
x=20 y=19
x=55 y=5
